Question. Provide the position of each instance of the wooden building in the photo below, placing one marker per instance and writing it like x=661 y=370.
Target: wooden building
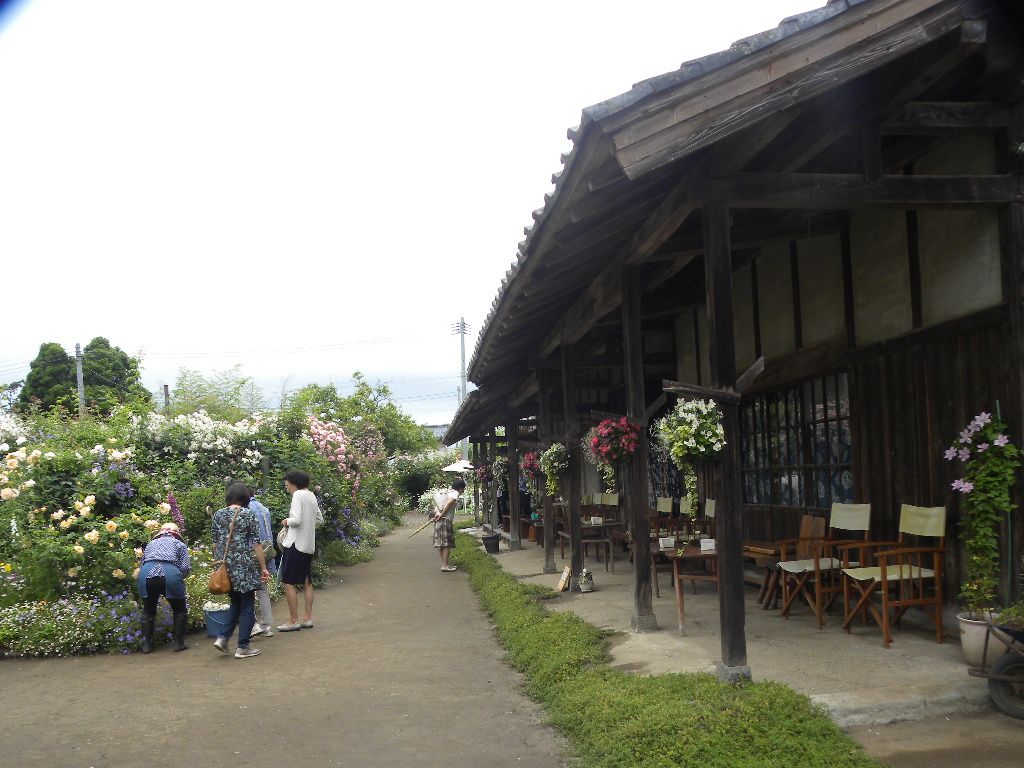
x=840 y=196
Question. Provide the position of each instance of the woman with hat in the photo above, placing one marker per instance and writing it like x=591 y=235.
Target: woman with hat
x=165 y=564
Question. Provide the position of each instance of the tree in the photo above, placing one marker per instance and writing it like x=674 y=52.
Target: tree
x=51 y=379
x=111 y=377
x=225 y=395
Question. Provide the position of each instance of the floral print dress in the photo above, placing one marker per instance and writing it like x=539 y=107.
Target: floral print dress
x=242 y=566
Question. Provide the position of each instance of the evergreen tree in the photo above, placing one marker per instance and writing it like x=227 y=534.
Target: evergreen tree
x=51 y=379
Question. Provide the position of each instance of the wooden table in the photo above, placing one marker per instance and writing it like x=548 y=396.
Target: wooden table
x=691 y=554
x=594 y=533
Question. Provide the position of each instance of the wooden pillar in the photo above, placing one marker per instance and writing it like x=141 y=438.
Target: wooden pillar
x=475 y=448
x=643 y=619
x=495 y=517
x=728 y=520
x=1013 y=293
x=512 y=439
x=544 y=434
x=572 y=444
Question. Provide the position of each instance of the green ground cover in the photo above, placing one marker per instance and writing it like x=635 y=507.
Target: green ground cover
x=613 y=719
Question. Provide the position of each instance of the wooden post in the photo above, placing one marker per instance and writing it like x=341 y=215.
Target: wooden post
x=572 y=444
x=475 y=447
x=643 y=619
x=1013 y=293
x=544 y=434
x=493 y=489
x=512 y=439
x=718 y=281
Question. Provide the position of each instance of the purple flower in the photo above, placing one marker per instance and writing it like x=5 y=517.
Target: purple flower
x=963 y=486
x=176 y=515
x=982 y=447
x=982 y=419
x=1002 y=440
x=124 y=490
x=965 y=436
x=965 y=440
x=964 y=454
x=950 y=454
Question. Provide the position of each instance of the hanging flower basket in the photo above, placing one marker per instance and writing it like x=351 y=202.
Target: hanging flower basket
x=529 y=463
x=613 y=440
x=692 y=432
x=499 y=468
x=554 y=462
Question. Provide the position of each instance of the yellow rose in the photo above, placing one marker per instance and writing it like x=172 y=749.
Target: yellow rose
x=92 y=536
x=72 y=572
x=111 y=526
x=78 y=506
x=12 y=463
x=165 y=507
x=135 y=573
x=117 y=573
x=123 y=534
x=90 y=500
x=60 y=514
x=67 y=523
x=85 y=511
x=151 y=524
x=79 y=549
x=138 y=551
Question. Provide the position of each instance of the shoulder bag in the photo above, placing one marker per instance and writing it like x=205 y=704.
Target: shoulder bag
x=220 y=579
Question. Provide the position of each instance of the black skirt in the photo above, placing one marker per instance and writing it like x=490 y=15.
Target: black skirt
x=295 y=566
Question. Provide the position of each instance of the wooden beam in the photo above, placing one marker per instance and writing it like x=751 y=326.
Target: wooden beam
x=603 y=294
x=852 y=191
x=929 y=117
x=524 y=391
x=729 y=521
x=635 y=480
x=673 y=124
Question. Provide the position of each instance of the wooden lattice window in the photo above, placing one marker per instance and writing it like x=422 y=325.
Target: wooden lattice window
x=796 y=447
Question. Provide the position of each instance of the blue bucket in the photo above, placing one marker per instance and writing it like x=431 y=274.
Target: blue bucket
x=217 y=622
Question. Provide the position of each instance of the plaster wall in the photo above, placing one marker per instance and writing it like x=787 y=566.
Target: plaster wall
x=820 y=261
x=775 y=297
x=743 y=317
x=881 y=275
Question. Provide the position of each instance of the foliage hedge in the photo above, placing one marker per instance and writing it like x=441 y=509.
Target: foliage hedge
x=619 y=720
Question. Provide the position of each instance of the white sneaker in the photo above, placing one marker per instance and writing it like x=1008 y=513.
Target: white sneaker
x=258 y=629
x=221 y=644
x=245 y=653
x=268 y=632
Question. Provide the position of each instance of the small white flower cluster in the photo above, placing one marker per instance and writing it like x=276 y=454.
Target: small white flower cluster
x=11 y=429
x=202 y=435
x=692 y=431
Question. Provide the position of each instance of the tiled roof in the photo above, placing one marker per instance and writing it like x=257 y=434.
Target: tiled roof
x=688 y=71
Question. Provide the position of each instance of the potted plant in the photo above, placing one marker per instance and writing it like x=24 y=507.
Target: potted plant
x=691 y=432
x=990 y=462
x=610 y=442
x=554 y=463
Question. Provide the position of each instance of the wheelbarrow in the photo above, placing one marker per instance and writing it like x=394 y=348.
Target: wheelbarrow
x=1006 y=674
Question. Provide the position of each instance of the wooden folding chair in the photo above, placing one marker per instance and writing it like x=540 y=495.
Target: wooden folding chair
x=902 y=576
x=814 y=572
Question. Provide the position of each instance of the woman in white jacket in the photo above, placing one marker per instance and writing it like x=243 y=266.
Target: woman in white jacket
x=299 y=545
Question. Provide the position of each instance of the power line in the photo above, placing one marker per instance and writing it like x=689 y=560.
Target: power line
x=284 y=351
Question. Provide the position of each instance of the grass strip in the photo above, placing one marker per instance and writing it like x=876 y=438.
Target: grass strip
x=616 y=720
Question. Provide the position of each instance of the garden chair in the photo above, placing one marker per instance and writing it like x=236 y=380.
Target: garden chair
x=610 y=499
x=814 y=573
x=903 y=576
x=707 y=524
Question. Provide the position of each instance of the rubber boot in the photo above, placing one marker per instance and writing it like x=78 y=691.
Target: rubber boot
x=148 y=623
x=180 y=627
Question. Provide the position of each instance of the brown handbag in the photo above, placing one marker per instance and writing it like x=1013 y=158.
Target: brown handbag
x=220 y=580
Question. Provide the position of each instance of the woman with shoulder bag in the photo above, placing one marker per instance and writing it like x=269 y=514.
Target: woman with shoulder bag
x=236 y=539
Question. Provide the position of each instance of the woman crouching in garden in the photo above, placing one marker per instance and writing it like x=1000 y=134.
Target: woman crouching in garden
x=236 y=540
x=165 y=564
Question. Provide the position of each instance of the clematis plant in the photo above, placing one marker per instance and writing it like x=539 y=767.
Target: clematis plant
x=990 y=462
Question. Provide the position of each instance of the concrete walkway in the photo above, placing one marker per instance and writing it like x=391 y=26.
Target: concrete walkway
x=402 y=670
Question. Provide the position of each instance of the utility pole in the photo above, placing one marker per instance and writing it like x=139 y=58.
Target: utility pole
x=462 y=329
x=81 y=380
x=167 y=399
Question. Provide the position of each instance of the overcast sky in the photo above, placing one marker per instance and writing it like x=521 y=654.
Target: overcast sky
x=304 y=188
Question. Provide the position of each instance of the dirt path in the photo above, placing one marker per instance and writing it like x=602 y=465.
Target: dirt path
x=401 y=670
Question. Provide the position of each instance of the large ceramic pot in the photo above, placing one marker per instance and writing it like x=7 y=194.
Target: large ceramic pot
x=972 y=641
